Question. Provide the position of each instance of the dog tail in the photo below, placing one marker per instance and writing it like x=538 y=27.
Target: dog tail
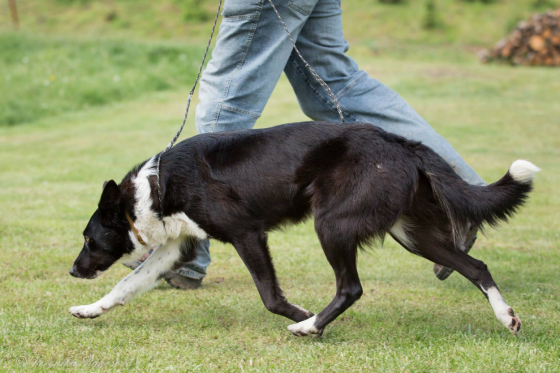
x=478 y=205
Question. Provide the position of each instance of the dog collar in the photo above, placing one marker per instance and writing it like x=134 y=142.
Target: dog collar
x=134 y=229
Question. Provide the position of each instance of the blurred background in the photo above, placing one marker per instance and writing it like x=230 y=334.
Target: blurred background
x=72 y=54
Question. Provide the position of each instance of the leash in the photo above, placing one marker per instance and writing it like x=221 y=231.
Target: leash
x=307 y=65
x=187 y=109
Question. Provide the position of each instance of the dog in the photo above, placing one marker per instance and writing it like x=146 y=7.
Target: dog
x=357 y=181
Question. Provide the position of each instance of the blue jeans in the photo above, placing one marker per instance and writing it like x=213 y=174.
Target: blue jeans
x=252 y=50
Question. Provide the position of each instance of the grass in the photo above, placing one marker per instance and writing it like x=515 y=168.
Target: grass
x=48 y=76
x=370 y=24
x=120 y=54
x=464 y=23
x=52 y=171
x=53 y=163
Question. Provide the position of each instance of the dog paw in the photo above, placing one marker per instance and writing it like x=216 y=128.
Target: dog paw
x=515 y=325
x=510 y=321
x=90 y=311
x=306 y=328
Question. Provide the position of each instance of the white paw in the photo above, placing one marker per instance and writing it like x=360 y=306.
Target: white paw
x=91 y=311
x=510 y=321
x=515 y=325
x=305 y=328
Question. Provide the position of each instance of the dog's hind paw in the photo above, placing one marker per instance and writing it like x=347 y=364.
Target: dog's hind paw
x=306 y=328
x=90 y=311
x=515 y=325
x=510 y=321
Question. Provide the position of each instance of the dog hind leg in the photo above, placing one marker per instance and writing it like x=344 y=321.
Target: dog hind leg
x=341 y=254
x=476 y=272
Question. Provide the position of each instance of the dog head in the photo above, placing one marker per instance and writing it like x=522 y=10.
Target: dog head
x=106 y=237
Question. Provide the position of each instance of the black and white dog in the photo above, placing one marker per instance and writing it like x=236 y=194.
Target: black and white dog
x=357 y=181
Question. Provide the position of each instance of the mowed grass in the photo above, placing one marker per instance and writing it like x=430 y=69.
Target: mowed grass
x=51 y=176
x=45 y=76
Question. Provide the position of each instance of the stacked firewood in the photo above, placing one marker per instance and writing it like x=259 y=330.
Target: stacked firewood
x=535 y=42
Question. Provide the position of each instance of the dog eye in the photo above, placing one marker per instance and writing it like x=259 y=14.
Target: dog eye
x=86 y=238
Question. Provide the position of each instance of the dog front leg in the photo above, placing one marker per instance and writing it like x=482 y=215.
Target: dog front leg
x=138 y=281
x=253 y=250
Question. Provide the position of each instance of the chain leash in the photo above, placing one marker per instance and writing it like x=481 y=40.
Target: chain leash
x=330 y=93
x=311 y=69
x=186 y=110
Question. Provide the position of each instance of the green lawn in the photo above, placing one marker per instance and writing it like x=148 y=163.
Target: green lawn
x=460 y=22
x=89 y=89
x=51 y=175
x=44 y=76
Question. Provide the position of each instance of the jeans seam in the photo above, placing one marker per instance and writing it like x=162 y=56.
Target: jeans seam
x=241 y=18
x=351 y=85
x=304 y=78
x=297 y=8
x=239 y=65
x=240 y=111
x=216 y=115
x=316 y=93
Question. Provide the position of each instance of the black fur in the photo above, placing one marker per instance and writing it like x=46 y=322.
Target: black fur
x=356 y=180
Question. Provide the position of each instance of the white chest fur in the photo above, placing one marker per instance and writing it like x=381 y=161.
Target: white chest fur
x=153 y=230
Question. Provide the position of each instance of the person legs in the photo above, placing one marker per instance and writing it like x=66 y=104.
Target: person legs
x=361 y=97
x=251 y=52
x=190 y=275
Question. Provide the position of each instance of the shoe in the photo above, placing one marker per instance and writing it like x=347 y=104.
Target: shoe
x=179 y=281
x=444 y=272
x=173 y=279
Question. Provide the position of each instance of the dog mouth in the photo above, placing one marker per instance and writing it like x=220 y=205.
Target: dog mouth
x=94 y=275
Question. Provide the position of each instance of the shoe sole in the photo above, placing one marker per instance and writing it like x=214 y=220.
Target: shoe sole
x=181 y=282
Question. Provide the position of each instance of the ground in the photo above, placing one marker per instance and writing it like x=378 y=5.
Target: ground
x=52 y=169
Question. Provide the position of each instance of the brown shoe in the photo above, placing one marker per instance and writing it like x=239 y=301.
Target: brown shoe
x=444 y=272
x=178 y=281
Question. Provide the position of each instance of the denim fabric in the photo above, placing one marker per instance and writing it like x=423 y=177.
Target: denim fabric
x=252 y=50
x=197 y=268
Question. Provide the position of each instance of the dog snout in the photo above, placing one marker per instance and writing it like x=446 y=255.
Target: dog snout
x=72 y=271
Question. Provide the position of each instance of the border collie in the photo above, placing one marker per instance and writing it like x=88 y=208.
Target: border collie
x=358 y=182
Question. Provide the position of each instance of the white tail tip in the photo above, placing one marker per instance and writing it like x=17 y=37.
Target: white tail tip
x=523 y=171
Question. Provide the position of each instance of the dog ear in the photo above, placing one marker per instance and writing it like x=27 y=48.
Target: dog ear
x=109 y=202
x=104 y=183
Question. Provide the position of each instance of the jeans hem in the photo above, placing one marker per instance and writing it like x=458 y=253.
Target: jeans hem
x=190 y=274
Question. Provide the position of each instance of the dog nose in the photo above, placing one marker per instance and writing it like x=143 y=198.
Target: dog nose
x=72 y=271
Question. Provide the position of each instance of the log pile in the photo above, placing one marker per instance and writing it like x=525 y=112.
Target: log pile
x=535 y=42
